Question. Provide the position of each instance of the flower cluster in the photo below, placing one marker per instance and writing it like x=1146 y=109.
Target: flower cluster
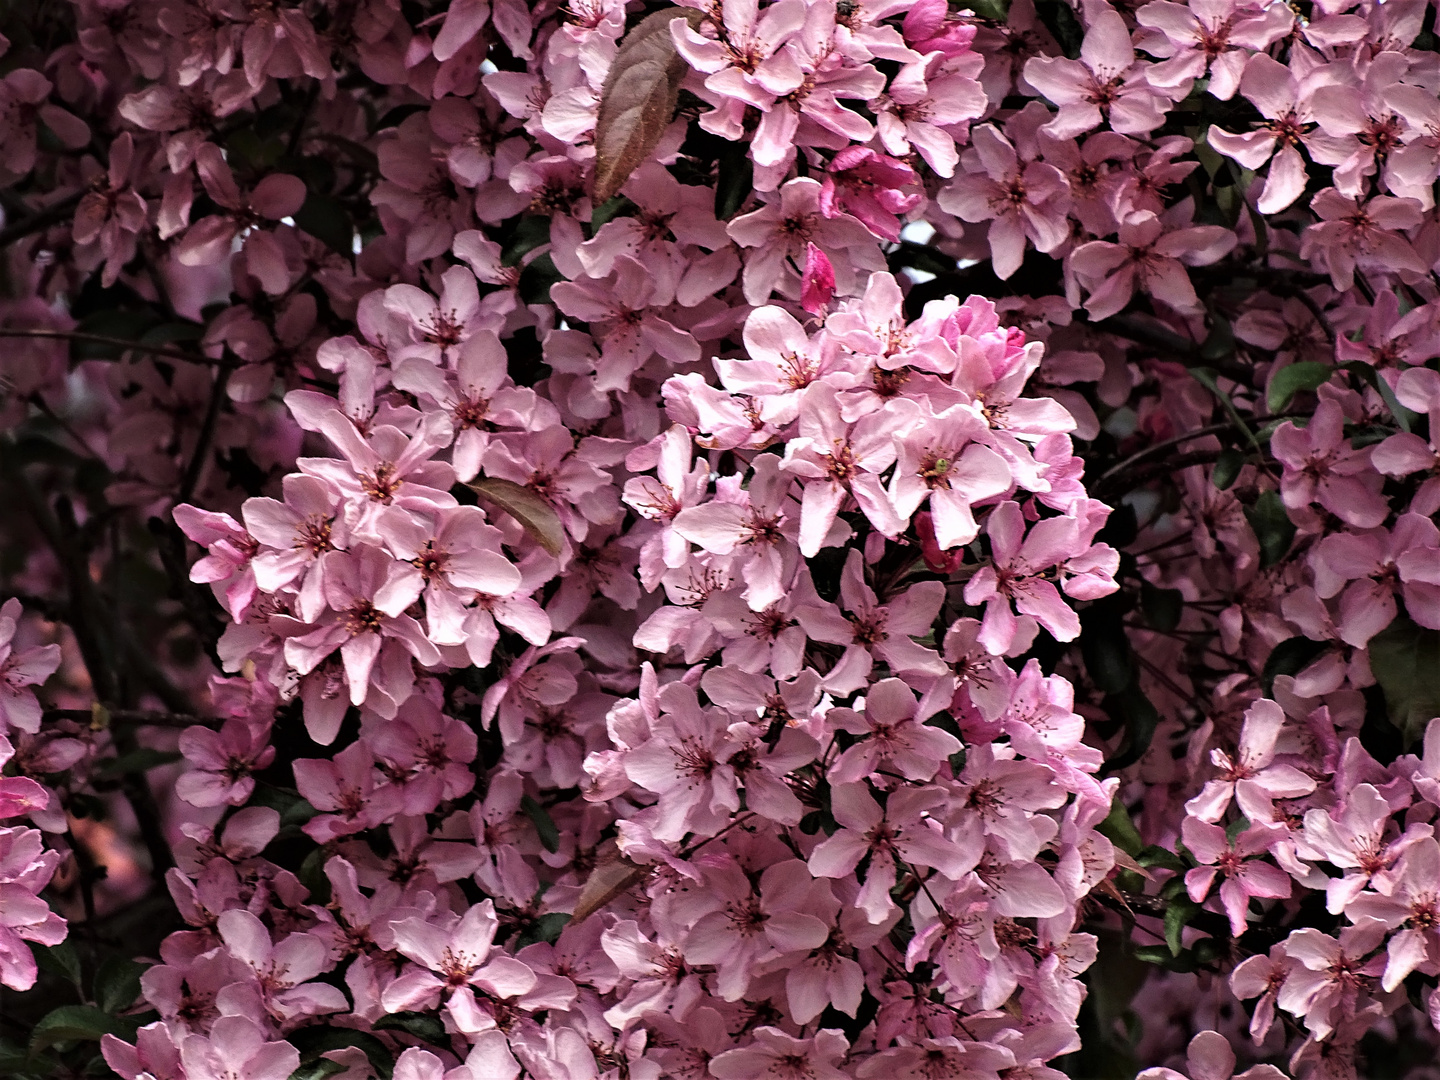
x=808 y=539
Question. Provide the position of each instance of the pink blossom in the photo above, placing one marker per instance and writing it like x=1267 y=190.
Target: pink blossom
x=1103 y=86
x=1148 y=258
x=901 y=829
x=1286 y=101
x=1328 y=974
x=1208 y=38
x=791 y=220
x=1023 y=199
x=1361 y=235
x=236 y=1046
x=1253 y=774
x=1242 y=876
x=1014 y=577
x=774 y=1056
x=835 y=459
x=873 y=630
x=453 y=957
x=19 y=708
x=1320 y=466
x=224 y=762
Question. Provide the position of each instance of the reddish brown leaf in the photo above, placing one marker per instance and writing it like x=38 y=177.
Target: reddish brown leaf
x=529 y=509
x=613 y=875
x=638 y=100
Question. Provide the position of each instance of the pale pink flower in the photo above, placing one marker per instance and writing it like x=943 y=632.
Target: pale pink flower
x=223 y=762
x=926 y=99
x=19 y=708
x=1364 y=568
x=1353 y=234
x=1286 y=102
x=744 y=929
x=1148 y=257
x=1023 y=199
x=1209 y=1057
x=790 y=221
x=1358 y=840
x=1321 y=466
x=1104 y=86
x=1330 y=975
x=1014 y=576
x=1261 y=977
x=893 y=734
x=209 y=240
x=686 y=764
x=873 y=630
x=940 y=460
x=1252 y=775
x=453 y=957
x=1242 y=876
x=236 y=1047
x=368 y=594
x=774 y=1055
x=835 y=459
x=1214 y=37
x=1412 y=901
x=284 y=970
x=901 y=829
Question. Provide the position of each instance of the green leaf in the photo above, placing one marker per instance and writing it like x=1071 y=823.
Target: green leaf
x=1109 y=660
x=1119 y=829
x=247 y=149
x=1272 y=525
x=638 y=99
x=536 y=515
x=537 y=279
x=609 y=210
x=117 y=983
x=1235 y=828
x=1293 y=378
x=1405 y=659
x=79 y=1023
x=1177 y=917
x=994 y=10
x=325 y=218
x=314 y=1041
x=1206 y=378
x=531 y=231
x=171 y=332
x=1162 y=607
x=114 y=323
x=544 y=824
x=1161 y=956
x=293 y=809
x=1152 y=855
x=421 y=1025
x=137 y=761
x=1220 y=342
x=734 y=180
x=60 y=960
x=1290 y=657
x=399 y=113
x=1140 y=718
x=1227 y=468
x=15 y=1064
x=318 y=1069
x=1404 y=418
x=312 y=876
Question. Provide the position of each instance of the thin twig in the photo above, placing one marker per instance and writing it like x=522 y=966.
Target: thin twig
x=207 y=437
x=42 y=219
x=118 y=343
x=142 y=717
